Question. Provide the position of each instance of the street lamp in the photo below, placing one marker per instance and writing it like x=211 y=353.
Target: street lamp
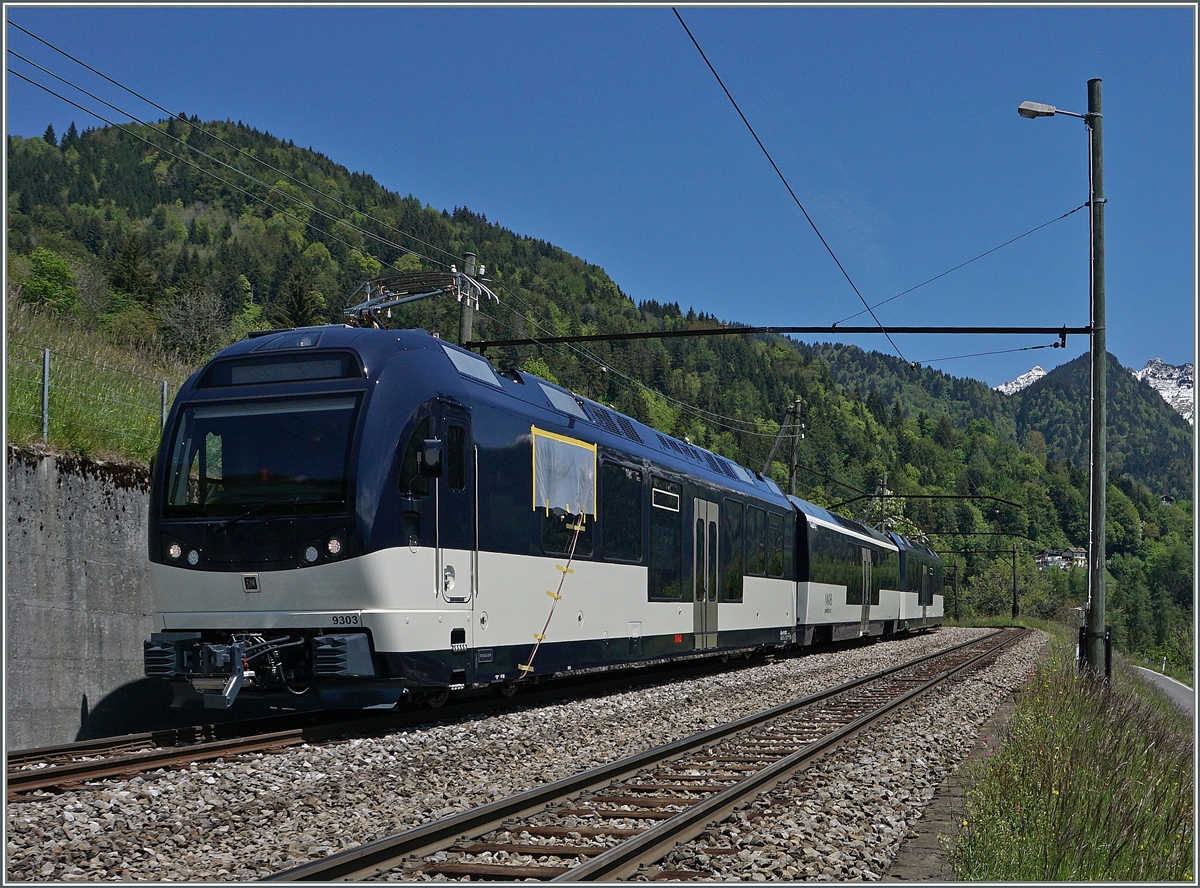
x=1093 y=649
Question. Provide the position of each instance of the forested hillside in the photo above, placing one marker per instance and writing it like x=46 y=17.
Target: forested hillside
x=184 y=237
x=1146 y=438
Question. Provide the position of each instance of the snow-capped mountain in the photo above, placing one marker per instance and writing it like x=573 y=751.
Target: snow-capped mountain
x=1027 y=379
x=1173 y=383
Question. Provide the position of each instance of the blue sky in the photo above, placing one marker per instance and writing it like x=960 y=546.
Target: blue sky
x=602 y=131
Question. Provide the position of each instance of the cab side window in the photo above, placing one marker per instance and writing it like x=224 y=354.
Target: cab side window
x=456 y=457
x=412 y=482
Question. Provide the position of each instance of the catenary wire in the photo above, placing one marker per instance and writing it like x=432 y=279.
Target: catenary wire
x=963 y=264
x=246 y=154
x=1004 y=351
x=783 y=179
x=698 y=411
x=718 y=420
x=728 y=423
x=385 y=224
x=215 y=160
x=184 y=160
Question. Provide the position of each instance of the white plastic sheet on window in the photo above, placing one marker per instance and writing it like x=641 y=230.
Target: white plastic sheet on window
x=564 y=473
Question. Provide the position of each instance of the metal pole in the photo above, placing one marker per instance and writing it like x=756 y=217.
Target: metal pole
x=1094 y=649
x=466 y=313
x=956 y=590
x=45 y=395
x=795 y=442
x=1014 y=559
x=164 y=405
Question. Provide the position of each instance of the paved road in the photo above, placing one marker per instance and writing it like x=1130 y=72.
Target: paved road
x=1181 y=695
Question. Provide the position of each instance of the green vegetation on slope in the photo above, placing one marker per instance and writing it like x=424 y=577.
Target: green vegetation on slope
x=1091 y=783
x=105 y=400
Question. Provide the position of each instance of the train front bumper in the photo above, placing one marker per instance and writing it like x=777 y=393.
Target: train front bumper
x=293 y=664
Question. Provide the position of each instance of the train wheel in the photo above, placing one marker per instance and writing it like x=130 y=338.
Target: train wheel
x=507 y=689
x=437 y=699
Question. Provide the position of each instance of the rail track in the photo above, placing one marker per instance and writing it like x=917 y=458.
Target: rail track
x=617 y=820
x=73 y=764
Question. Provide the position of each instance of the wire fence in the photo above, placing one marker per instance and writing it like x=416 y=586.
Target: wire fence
x=81 y=405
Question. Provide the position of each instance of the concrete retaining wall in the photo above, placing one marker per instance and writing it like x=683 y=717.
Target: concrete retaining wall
x=77 y=600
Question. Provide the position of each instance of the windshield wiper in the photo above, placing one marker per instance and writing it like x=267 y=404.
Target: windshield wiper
x=251 y=512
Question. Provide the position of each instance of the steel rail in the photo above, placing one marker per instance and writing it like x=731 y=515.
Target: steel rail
x=184 y=734
x=626 y=858
x=181 y=746
x=383 y=854
x=30 y=779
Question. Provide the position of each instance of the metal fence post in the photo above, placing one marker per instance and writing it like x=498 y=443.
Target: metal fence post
x=45 y=395
x=164 y=404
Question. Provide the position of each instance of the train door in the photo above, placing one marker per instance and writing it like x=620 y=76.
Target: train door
x=866 y=591
x=925 y=597
x=456 y=505
x=704 y=575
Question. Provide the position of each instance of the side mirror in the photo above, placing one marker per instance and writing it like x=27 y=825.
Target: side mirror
x=430 y=458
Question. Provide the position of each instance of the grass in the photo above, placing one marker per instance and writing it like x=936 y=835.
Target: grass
x=1094 y=782
x=105 y=399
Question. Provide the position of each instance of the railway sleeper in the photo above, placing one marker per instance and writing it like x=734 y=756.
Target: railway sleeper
x=500 y=872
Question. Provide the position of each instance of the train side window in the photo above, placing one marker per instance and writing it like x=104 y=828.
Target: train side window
x=774 y=545
x=456 y=462
x=756 y=531
x=789 y=538
x=620 y=513
x=560 y=529
x=887 y=569
x=666 y=541
x=836 y=560
x=411 y=480
x=732 y=542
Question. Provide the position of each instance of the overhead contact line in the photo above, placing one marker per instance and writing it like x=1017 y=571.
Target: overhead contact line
x=964 y=264
x=240 y=151
x=783 y=179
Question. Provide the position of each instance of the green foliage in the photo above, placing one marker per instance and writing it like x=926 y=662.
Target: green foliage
x=1091 y=783
x=105 y=400
x=1145 y=436
x=50 y=284
x=539 y=367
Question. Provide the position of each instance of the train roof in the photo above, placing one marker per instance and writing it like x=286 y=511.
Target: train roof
x=817 y=515
x=911 y=545
x=603 y=424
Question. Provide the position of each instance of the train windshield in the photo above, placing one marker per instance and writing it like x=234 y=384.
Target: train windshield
x=231 y=458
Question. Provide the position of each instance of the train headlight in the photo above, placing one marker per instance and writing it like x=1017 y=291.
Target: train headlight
x=174 y=551
x=311 y=554
x=333 y=546
x=193 y=557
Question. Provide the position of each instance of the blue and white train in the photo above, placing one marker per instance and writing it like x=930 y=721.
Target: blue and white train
x=349 y=517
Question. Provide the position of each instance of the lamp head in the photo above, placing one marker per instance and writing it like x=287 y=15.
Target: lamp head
x=1036 y=109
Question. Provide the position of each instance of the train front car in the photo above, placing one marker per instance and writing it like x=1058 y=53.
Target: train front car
x=342 y=517
x=268 y=572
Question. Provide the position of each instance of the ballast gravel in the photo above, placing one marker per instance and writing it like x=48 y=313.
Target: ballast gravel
x=844 y=817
